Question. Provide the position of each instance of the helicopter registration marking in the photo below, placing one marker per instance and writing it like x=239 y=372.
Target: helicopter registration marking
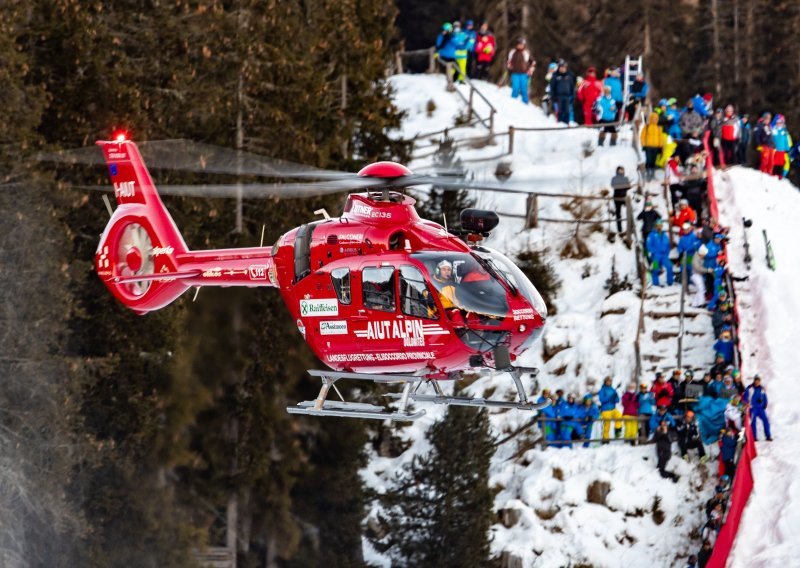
x=412 y=332
x=125 y=189
x=258 y=271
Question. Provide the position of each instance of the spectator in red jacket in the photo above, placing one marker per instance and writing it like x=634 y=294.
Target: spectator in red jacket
x=485 y=50
x=630 y=411
x=684 y=215
x=589 y=91
x=730 y=133
x=662 y=390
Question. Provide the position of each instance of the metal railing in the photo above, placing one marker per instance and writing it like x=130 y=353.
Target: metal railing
x=600 y=423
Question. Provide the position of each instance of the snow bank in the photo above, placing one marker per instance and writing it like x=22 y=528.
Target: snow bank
x=769 y=307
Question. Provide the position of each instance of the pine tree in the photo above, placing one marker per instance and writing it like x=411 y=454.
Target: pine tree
x=439 y=509
x=442 y=205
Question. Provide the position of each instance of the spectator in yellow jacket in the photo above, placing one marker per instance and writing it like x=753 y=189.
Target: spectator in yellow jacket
x=652 y=138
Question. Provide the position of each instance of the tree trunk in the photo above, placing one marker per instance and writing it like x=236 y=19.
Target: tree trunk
x=750 y=32
x=736 y=43
x=716 y=50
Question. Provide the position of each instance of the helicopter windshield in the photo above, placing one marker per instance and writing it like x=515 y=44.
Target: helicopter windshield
x=464 y=282
x=515 y=277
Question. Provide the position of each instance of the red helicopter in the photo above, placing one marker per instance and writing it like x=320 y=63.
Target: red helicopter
x=378 y=294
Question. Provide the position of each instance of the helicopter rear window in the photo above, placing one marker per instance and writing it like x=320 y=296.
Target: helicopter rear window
x=340 y=277
x=415 y=298
x=378 y=288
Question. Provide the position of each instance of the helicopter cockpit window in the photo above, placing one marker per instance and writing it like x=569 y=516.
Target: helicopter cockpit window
x=415 y=298
x=464 y=283
x=340 y=277
x=514 y=276
x=378 y=288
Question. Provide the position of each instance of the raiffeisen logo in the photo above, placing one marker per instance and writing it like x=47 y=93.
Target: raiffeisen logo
x=313 y=308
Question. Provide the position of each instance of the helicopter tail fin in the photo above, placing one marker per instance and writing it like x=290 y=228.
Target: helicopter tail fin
x=137 y=257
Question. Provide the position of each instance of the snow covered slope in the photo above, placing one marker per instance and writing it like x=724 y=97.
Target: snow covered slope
x=544 y=515
x=769 y=309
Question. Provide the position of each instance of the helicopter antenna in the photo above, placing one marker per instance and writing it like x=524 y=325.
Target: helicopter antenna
x=264 y=226
x=108 y=205
x=444 y=218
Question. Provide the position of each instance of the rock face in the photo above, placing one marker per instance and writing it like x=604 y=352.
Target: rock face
x=508 y=560
x=509 y=517
x=597 y=492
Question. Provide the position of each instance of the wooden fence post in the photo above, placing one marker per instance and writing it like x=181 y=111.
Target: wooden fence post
x=432 y=60
x=510 y=139
x=398 y=62
x=532 y=215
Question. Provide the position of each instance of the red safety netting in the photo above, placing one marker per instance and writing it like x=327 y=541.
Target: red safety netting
x=712 y=198
x=740 y=493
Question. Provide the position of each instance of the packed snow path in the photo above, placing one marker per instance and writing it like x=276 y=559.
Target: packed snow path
x=769 y=304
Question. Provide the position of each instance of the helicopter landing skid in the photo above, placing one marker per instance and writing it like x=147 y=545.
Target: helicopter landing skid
x=521 y=404
x=323 y=407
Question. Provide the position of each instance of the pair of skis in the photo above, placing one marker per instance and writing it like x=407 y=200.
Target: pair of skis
x=767 y=245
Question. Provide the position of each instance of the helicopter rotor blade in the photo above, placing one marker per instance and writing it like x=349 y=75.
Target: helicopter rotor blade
x=259 y=190
x=186 y=155
x=453 y=183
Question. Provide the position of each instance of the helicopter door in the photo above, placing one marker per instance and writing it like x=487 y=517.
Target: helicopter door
x=302 y=252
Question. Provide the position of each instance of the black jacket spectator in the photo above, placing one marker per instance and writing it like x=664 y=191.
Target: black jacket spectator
x=562 y=84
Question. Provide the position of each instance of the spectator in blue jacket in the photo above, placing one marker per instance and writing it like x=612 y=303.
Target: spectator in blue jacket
x=638 y=94
x=756 y=397
x=605 y=112
x=724 y=345
x=471 y=36
x=446 y=51
x=688 y=245
x=547 y=417
x=661 y=415
x=703 y=104
x=716 y=385
x=586 y=416
x=568 y=411
x=647 y=405
x=609 y=412
x=658 y=248
x=744 y=140
x=674 y=116
x=728 y=451
x=612 y=80
x=782 y=143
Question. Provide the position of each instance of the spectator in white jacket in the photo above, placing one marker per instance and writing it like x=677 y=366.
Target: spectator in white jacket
x=733 y=413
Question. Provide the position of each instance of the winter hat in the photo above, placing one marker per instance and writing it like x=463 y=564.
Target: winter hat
x=591 y=71
x=553 y=66
x=662 y=102
x=447 y=26
x=686 y=226
x=470 y=23
x=522 y=41
x=672 y=101
x=703 y=250
x=708 y=97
